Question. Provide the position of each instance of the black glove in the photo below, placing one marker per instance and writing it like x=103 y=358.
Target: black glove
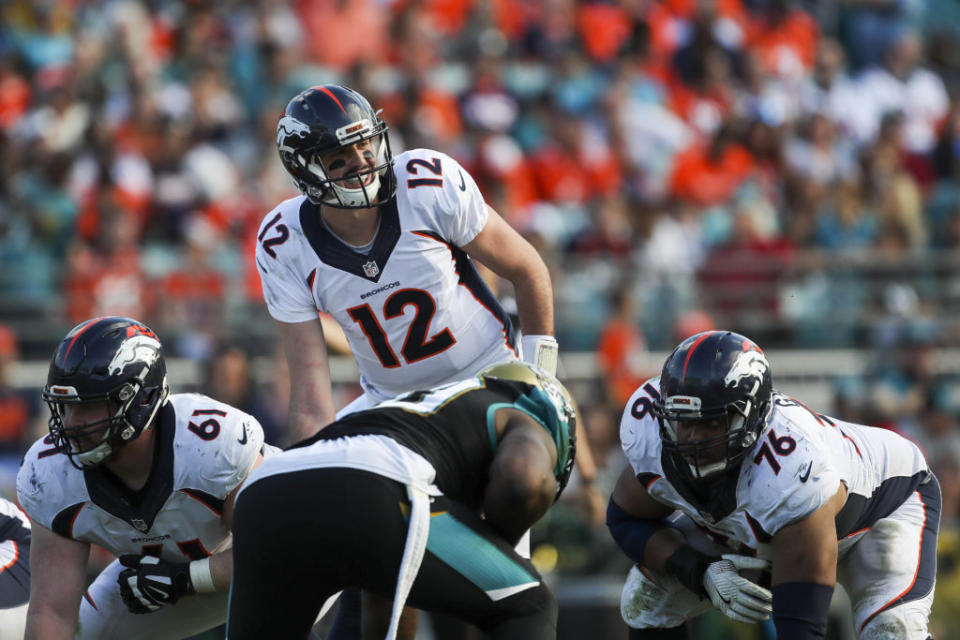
x=149 y=582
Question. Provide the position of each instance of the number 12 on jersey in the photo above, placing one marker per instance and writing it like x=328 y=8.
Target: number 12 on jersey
x=416 y=344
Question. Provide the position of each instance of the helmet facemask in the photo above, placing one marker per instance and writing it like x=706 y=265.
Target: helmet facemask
x=706 y=457
x=92 y=443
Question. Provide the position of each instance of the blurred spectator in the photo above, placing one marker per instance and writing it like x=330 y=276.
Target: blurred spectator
x=742 y=272
x=711 y=48
x=192 y=296
x=15 y=93
x=604 y=29
x=829 y=90
x=785 y=39
x=903 y=85
x=675 y=246
x=946 y=155
x=692 y=322
x=228 y=378
x=647 y=132
x=574 y=163
x=818 y=154
x=19 y=410
x=847 y=222
x=710 y=174
x=621 y=348
x=610 y=234
x=704 y=97
x=872 y=26
x=896 y=192
x=109 y=280
x=763 y=97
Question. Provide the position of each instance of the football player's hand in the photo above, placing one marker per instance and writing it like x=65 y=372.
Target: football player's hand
x=734 y=595
x=148 y=582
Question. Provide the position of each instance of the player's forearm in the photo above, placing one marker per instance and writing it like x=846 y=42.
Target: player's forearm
x=646 y=541
x=311 y=395
x=662 y=545
x=310 y=410
x=302 y=424
x=46 y=624
x=534 y=293
x=221 y=569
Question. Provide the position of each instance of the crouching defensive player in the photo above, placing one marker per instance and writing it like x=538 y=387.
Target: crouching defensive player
x=390 y=500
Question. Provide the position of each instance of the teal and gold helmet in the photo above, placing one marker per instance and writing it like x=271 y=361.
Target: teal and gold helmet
x=550 y=404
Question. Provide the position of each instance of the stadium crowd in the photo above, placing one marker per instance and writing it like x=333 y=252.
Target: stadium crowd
x=788 y=169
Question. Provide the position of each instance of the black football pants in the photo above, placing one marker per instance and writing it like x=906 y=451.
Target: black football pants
x=302 y=536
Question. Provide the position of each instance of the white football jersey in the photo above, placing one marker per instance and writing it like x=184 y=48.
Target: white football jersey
x=206 y=448
x=795 y=466
x=414 y=309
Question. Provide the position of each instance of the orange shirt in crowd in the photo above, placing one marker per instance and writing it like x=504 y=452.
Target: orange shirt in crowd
x=620 y=343
x=103 y=286
x=563 y=176
x=15 y=96
x=604 y=29
x=780 y=46
x=341 y=34
x=447 y=16
x=707 y=181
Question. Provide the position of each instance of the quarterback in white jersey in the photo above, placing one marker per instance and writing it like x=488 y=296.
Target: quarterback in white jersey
x=413 y=307
x=759 y=476
x=148 y=476
x=384 y=245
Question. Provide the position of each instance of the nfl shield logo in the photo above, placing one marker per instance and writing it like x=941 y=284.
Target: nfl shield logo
x=139 y=524
x=370 y=269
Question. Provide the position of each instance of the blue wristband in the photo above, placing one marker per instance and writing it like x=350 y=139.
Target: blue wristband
x=632 y=534
x=800 y=610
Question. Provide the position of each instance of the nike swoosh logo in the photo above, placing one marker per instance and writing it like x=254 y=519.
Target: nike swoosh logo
x=804 y=476
x=243 y=438
x=463 y=185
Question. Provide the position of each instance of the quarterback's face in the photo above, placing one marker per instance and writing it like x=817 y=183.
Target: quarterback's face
x=350 y=161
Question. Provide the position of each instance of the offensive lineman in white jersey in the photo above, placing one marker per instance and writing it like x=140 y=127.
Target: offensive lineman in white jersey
x=149 y=476
x=385 y=246
x=728 y=475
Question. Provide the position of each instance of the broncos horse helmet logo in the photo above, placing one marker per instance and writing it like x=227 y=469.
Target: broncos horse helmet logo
x=750 y=364
x=138 y=348
x=290 y=126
